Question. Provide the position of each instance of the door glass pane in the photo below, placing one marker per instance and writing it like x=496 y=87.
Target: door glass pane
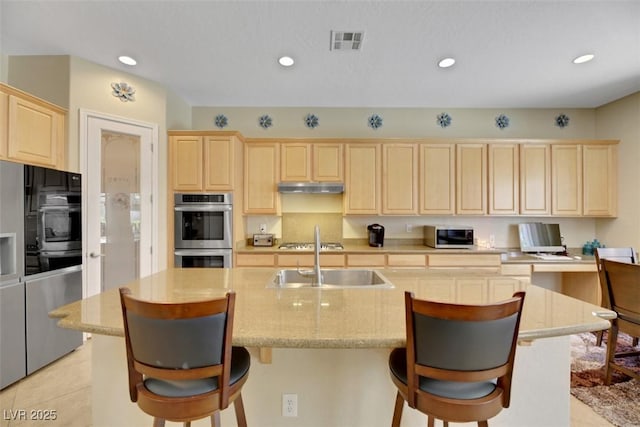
x=120 y=208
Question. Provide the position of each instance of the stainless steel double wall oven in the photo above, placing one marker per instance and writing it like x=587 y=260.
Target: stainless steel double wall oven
x=203 y=231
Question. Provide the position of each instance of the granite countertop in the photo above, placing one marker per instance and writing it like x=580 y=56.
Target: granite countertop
x=336 y=318
x=509 y=255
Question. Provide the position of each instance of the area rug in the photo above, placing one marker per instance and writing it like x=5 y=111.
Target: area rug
x=618 y=403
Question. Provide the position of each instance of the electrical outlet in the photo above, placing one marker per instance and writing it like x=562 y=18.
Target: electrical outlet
x=289 y=405
x=263 y=228
x=409 y=228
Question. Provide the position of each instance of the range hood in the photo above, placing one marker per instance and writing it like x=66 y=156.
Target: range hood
x=311 y=187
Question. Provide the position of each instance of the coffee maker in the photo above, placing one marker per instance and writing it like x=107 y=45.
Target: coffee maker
x=376 y=235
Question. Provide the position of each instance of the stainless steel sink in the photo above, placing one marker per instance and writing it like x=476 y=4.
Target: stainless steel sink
x=331 y=279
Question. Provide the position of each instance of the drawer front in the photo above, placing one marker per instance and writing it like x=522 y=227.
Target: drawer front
x=406 y=260
x=255 y=260
x=516 y=269
x=364 y=260
x=462 y=260
x=293 y=260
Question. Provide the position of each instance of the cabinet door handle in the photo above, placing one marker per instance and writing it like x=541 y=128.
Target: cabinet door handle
x=95 y=255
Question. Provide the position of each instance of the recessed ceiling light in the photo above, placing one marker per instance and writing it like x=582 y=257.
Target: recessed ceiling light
x=127 y=60
x=286 y=61
x=446 y=62
x=584 y=58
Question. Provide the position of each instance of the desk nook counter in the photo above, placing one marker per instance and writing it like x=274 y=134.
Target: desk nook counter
x=330 y=346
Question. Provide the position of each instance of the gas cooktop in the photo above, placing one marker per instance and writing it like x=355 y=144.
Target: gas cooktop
x=306 y=246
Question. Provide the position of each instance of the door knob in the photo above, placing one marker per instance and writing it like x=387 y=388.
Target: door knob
x=95 y=255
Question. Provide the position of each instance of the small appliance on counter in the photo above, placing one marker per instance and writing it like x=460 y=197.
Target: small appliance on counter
x=376 y=235
x=263 y=240
x=448 y=237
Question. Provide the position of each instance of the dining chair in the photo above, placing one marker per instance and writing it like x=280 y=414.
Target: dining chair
x=623 y=284
x=617 y=254
x=182 y=366
x=458 y=361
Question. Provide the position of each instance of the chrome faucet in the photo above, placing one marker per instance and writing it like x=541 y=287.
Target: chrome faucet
x=316 y=259
x=316 y=273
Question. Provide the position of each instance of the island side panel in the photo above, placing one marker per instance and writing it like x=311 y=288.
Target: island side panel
x=341 y=387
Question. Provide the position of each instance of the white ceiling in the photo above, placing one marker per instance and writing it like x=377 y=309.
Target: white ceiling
x=510 y=54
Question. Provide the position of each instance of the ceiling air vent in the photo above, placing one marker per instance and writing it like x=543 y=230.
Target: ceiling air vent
x=346 y=40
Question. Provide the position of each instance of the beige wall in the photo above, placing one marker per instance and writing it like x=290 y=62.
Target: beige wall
x=400 y=122
x=621 y=120
x=46 y=77
x=4 y=68
x=178 y=112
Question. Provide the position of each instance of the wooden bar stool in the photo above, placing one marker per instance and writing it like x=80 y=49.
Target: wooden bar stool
x=623 y=286
x=181 y=364
x=458 y=362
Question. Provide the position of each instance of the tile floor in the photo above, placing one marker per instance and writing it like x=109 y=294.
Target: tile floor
x=65 y=387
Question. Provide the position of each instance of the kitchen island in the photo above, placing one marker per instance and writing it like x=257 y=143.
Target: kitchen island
x=330 y=347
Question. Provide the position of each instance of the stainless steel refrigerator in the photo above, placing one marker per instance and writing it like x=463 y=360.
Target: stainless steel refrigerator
x=29 y=339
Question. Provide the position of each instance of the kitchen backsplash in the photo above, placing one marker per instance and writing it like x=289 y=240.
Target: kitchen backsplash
x=504 y=229
x=298 y=227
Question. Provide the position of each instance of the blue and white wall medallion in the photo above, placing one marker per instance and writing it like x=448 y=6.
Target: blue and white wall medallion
x=443 y=120
x=265 y=121
x=502 y=121
x=562 y=121
x=221 y=121
x=375 y=121
x=312 y=121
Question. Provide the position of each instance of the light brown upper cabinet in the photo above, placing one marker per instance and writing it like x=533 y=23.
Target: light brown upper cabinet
x=35 y=129
x=200 y=162
x=400 y=179
x=471 y=179
x=566 y=179
x=4 y=121
x=261 y=167
x=321 y=162
x=535 y=179
x=437 y=179
x=504 y=179
x=362 y=179
x=328 y=162
x=599 y=178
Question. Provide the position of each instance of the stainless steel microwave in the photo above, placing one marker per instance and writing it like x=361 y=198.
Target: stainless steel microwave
x=448 y=236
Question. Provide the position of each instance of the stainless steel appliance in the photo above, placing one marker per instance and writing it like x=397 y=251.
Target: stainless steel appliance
x=376 y=235
x=30 y=285
x=203 y=258
x=203 y=228
x=263 y=239
x=448 y=236
x=12 y=307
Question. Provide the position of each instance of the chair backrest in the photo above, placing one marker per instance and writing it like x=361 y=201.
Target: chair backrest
x=623 y=284
x=616 y=254
x=458 y=342
x=178 y=341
